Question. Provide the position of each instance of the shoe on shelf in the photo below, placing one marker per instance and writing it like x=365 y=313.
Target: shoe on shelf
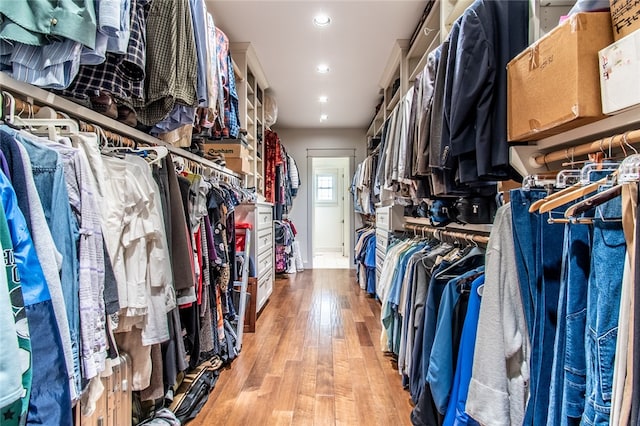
x=127 y=116
x=104 y=104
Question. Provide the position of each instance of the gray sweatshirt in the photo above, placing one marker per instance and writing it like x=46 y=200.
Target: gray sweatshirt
x=499 y=387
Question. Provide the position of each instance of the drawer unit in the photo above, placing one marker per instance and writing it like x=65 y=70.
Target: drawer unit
x=382 y=239
x=260 y=216
x=265 y=288
x=264 y=263
x=265 y=239
x=265 y=217
x=390 y=218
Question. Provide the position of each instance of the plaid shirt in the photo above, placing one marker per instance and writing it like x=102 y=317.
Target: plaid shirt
x=172 y=62
x=120 y=75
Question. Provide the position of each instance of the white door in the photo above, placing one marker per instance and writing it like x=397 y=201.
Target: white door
x=330 y=227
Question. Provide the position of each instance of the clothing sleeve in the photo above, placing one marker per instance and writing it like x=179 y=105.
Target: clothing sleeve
x=498 y=390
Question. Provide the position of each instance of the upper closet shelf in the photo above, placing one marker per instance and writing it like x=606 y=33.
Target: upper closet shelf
x=427 y=38
x=237 y=71
x=452 y=12
x=393 y=101
x=523 y=157
x=35 y=95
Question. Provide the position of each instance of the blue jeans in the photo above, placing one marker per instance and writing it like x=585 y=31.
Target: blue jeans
x=566 y=401
x=603 y=306
x=48 y=176
x=538 y=246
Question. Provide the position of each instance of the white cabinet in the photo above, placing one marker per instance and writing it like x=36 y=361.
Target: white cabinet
x=260 y=216
x=388 y=220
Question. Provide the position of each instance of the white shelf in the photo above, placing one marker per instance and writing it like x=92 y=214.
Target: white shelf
x=249 y=105
x=42 y=97
x=521 y=156
x=424 y=41
x=484 y=228
x=416 y=68
x=394 y=101
x=237 y=71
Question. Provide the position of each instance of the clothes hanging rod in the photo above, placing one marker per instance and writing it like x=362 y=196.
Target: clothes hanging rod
x=441 y=232
x=619 y=142
x=35 y=95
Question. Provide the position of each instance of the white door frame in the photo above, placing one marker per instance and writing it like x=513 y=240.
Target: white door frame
x=329 y=153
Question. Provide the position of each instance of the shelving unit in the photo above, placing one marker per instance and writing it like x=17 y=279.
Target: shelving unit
x=427 y=39
x=37 y=96
x=251 y=89
x=522 y=157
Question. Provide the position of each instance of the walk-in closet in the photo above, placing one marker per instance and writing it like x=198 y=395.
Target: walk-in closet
x=414 y=212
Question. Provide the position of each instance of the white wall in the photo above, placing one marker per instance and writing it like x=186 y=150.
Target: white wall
x=333 y=142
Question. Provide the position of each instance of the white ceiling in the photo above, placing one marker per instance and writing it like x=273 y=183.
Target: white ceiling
x=356 y=45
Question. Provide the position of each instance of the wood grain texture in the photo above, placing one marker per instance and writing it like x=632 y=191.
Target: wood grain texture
x=314 y=359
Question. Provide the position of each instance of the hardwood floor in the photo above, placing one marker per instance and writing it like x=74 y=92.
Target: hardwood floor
x=315 y=359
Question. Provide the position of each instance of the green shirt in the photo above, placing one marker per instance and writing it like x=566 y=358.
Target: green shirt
x=35 y=22
x=20 y=316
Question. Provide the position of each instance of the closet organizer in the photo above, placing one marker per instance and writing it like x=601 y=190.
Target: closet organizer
x=116 y=246
x=534 y=319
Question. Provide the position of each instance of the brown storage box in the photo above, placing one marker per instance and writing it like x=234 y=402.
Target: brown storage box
x=228 y=149
x=625 y=17
x=238 y=165
x=180 y=137
x=554 y=84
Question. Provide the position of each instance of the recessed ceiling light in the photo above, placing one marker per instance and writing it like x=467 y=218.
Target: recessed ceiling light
x=323 y=99
x=322 y=68
x=321 y=20
x=323 y=117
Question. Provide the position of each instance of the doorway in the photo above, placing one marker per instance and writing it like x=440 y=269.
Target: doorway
x=331 y=212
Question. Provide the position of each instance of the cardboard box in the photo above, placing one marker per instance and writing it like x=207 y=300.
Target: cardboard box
x=180 y=137
x=228 y=149
x=238 y=165
x=625 y=17
x=619 y=71
x=554 y=84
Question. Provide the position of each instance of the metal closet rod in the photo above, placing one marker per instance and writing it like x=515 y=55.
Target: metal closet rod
x=619 y=141
x=440 y=232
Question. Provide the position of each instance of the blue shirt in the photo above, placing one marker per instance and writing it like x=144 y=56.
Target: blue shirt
x=200 y=30
x=456 y=414
x=52 y=66
x=440 y=372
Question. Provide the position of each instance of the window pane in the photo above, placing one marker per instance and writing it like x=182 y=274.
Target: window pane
x=325 y=188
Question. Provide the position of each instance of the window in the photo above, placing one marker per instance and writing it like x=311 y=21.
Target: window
x=326 y=188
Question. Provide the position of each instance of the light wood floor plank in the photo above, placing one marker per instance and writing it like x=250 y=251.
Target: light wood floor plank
x=315 y=359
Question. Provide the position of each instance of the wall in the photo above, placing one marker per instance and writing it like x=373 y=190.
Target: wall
x=332 y=143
